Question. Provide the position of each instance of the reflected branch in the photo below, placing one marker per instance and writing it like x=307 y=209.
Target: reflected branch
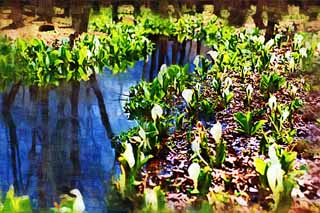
x=8 y=100
x=102 y=106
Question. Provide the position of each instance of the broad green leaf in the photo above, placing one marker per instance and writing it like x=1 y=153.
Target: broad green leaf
x=260 y=166
x=16 y=204
x=220 y=154
x=83 y=75
x=82 y=55
x=258 y=125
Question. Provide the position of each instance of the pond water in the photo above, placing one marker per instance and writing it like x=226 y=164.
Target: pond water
x=55 y=140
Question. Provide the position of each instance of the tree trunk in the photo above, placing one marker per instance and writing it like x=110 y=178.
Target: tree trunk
x=258 y=16
x=16 y=14
x=45 y=10
x=80 y=12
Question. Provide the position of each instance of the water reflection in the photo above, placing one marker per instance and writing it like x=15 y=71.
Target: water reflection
x=56 y=139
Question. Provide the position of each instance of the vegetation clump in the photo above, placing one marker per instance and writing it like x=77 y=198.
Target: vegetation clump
x=221 y=134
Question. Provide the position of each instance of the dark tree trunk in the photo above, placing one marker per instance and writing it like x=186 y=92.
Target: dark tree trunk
x=163 y=8
x=217 y=7
x=258 y=16
x=45 y=10
x=115 y=6
x=80 y=12
x=16 y=14
x=137 y=6
x=238 y=13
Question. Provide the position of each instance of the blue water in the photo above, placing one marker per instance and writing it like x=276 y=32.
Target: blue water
x=46 y=148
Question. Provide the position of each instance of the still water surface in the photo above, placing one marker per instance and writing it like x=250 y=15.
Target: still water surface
x=62 y=140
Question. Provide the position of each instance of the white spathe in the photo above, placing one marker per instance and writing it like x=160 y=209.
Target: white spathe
x=216 y=132
x=78 y=205
x=128 y=155
x=187 y=95
x=194 y=172
x=272 y=102
x=156 y=112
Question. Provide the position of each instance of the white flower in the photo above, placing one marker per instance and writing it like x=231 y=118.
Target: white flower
x=303 y=52
x=288 y=55
x=298 y=39
x=262 y=39
x=285 y=114
x=163 y=68
x=216 y=132
x=227 y=83
x=272 y=102
x=194 y=172
x=249 y=90
x=270 y=43
x=78 y=205
x=128 y=155
x=156 y=112
x=275 y=173
x=196 y=61
x=151 y=199
x=187 y=95
x=213 y=54
x=294 y=90
x=195 y=145
x=275 y=178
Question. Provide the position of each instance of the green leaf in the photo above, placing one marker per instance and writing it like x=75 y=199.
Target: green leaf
x=83 y=75
x=258 y=125
x=260 y=166
x=220 y=154
x=82 y=55
x=16 y=204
